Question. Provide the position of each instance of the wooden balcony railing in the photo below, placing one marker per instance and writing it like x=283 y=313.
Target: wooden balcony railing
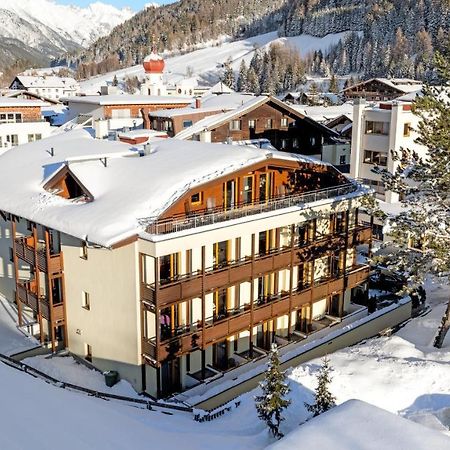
x=189 y=338
x=26 y=252
x=190 y=285
x=27 y=295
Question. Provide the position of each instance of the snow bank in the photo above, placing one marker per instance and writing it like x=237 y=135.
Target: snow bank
x=359 y=425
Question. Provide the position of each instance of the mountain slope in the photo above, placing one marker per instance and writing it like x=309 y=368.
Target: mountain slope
x=389 y=37
x=42 y=29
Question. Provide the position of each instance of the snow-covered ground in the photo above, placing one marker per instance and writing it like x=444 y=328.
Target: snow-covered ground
x=67 y=369
x=402 y=374
x=12 y=338
x=206 y=62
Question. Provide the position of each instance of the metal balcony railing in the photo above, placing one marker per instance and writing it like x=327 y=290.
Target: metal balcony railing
x=208 y=217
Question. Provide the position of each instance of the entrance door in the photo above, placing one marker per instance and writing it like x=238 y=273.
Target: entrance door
x=170 y=377
x=335 y=305
x=220 y=355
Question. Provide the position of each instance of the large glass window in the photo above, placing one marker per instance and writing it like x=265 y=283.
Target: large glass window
x=373 y=127
x=379 y=158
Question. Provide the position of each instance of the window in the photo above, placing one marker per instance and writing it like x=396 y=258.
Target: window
x=85 y=300
x=295 y=143
x=247 y=195
x=377 y=128
x=34 y=137
x=377 y=186
x=269 y=124
x=284 y=143
x=221 y=253
x=11 y=254
x=12 y=139
x=187 y=123
x=406 y=130
x=284 y=122
x=252 y=123
x=235 y=125
x=87 y=352
x=342 y=160
x=197 y=198
x=167 y=125
x=84 y=250
x=378 y=158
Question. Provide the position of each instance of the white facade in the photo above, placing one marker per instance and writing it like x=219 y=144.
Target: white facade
x=377 y=131
x=51 y=87
x=18 y=133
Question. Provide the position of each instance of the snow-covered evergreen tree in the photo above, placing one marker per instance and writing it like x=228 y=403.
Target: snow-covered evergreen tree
x=424 y=185
x=228 y=74
x=271 y=403
x=253 y=81
x=323 y=399
x=242 y=81
x=333 y=84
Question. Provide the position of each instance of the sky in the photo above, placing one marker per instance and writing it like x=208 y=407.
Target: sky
x=135 y=5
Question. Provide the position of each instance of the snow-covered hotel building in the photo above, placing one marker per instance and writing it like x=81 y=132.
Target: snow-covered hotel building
x=177 y=261
x=51 y=87
x=21 y=121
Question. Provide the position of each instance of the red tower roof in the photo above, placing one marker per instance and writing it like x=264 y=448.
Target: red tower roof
x=154 y=63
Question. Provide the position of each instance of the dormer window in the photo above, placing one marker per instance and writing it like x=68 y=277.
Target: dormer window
x=66 y=185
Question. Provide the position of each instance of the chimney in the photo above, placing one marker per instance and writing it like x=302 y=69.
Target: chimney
x=146 y=119
x=148 y=150
x=198 y=103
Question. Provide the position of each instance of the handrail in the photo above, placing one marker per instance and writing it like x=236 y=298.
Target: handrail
x=186 y=330
x=247 y=259
x=19 y=365
x=182 y=222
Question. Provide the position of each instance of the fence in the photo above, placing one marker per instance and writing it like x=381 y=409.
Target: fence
x=147 y=404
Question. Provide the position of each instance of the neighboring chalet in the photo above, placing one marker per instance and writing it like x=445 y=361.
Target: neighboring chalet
x=174 y=121
x=121 y=110
x=21 y=121
x=177 y=264
x=51 y=87
x=382 y=89
x=266 y=117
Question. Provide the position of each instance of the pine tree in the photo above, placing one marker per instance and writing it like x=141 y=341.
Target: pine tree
x=424 y=185
x=253 y=81
x=323 y=399
x=271 y=403
x=333 y=84
x=242 y=82
x=228 y=75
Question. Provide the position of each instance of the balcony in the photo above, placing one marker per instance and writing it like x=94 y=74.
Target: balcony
x=186 y=339
x=190 y=285
x=25 y=250
x=183 y=222
x=26 y=293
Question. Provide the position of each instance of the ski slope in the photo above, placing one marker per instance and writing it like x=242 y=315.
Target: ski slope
x=206 y=62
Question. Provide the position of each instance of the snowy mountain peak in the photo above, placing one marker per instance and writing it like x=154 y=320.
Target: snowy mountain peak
x=51 y=28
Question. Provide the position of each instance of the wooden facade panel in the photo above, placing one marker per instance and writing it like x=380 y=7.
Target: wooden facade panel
x=357 y=277
x=301 y=298
x=58 y=313
x=241 y=273
x=55 y=264
x=320 y=291
x=281 y=307
x=149 y=348
x=263 y=265
x=29 y=113
x=191 y=287
x=217 y=332
x=217 y=279
x=336 y=285
x=282 y=260
x=262 y=314
x=169 y=294
x=239 y=323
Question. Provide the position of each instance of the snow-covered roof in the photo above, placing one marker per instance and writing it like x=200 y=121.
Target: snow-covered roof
x=126 y=99
x=47 y=82
x=8 y=102
x=402 y=84
x=359 y=425
x=211 y=102
x=216 y=120
x=326 y=113
x=127 y=191
x=140 y=133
